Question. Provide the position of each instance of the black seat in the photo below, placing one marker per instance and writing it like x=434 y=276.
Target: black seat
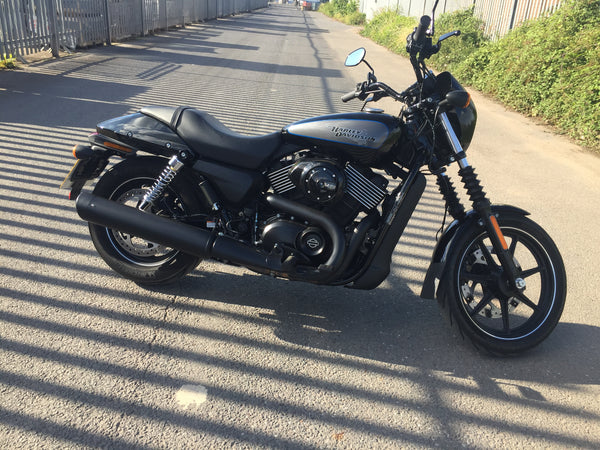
x=209 y=138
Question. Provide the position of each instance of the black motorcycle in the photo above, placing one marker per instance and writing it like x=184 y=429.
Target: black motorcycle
x=311 y=202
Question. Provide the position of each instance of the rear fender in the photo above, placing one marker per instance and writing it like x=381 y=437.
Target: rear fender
x=91 y=162
x=124 y=137
x=432 y=285
x=92 y=159
x=143 y=132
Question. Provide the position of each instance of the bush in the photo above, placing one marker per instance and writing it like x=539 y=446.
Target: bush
x=455 y=49
x=390 y=30
x=343 y=10
x=547 y=68
x=7 y=62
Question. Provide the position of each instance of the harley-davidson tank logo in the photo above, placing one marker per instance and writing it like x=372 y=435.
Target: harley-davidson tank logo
x=357 y=135
x=359 y=132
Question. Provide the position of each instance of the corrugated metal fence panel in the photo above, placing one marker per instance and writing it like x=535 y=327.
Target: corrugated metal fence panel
x=531 y=9
x=504 y=15
x=152 y=15
x=411 y=8
x=84 y=22
x=212 y=9
x=125 y=18
x=500 y=16
x=25 y=25
x=174 y=13
x=201 y=9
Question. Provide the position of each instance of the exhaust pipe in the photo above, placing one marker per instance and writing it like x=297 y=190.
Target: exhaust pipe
x=203 y=243
x=160 y=230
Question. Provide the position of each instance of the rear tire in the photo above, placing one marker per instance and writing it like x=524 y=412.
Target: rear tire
x=478 y=299
x=134 y=258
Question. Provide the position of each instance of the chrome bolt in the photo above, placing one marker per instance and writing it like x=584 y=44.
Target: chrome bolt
x=520 y=283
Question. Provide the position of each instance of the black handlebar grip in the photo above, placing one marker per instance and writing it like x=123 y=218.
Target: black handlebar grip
x=349 y=96
x=422 y=28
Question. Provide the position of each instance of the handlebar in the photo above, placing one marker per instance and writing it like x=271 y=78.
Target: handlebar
x=377 y=88
x=419 y=46
x=349 y=96
x=421 y=30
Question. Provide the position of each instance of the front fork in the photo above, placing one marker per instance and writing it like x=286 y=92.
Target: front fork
x=481 y=205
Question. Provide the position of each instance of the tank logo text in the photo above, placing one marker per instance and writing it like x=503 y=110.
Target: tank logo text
x=355 y=135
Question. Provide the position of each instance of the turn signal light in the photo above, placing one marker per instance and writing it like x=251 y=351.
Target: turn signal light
x=82 y=151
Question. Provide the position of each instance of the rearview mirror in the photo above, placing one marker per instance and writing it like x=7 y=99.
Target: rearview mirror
x=356 y=57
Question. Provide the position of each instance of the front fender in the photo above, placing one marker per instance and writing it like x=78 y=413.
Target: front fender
x=437 y=265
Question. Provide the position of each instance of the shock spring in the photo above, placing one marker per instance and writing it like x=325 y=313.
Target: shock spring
x=161 y=183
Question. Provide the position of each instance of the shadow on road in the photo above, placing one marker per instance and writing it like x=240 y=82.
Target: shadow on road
x=92 y=360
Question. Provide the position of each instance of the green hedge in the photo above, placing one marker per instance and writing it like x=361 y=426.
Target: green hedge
x=549 y=68
x=343 y=10
x=390 y=30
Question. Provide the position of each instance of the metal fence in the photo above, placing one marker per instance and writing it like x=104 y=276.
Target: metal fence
x=500 y=16
x=28 y=26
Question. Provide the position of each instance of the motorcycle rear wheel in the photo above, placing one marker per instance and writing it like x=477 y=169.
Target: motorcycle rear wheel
x=134 y=258
x=479 y=300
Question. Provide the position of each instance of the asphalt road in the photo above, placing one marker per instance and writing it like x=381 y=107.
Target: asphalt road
x=229 y=358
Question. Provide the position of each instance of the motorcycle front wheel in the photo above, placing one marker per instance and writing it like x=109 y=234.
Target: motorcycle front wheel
x=480 y=300
x=137 y=259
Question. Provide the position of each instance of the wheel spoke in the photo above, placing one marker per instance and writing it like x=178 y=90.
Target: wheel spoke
x=487 y=298
x=505 y=320
x=524 y=299
x=478 y=278
x=487 y=255
x=513 y=245
x=529 y=272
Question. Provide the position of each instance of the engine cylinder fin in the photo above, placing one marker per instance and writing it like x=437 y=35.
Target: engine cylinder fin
x=356 y=187
x=362 y=189
x=280 y=180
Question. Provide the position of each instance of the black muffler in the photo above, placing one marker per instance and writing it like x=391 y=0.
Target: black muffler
x=203 y=243
x=161 y=230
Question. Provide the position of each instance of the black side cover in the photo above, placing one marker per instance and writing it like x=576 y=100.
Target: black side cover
x=379 y=268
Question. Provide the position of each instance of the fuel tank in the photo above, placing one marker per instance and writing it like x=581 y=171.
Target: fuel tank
x=364 y=137
x=142 y=132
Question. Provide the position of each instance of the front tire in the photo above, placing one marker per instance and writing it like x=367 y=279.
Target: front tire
x=134 y=258
x=479 y=299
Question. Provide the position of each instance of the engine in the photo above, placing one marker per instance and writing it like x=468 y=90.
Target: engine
x=329 y=185
x=340 y=190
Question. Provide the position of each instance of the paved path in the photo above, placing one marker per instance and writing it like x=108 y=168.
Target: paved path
x=90 y=359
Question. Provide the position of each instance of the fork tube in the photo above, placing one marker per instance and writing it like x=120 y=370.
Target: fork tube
x=481 y=204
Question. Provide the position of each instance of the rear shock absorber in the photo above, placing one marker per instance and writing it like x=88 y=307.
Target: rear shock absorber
x=162 y=182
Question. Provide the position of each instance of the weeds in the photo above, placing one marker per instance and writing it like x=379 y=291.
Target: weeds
x=8 y=63
x=547 y=68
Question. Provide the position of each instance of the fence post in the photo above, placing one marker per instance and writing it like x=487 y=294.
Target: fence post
x=54 y=39
x=143 y=4
x=107 y=14
x=166 y=15
x=512 y=16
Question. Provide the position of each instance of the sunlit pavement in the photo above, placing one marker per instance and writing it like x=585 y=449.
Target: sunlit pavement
x=230 y=358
